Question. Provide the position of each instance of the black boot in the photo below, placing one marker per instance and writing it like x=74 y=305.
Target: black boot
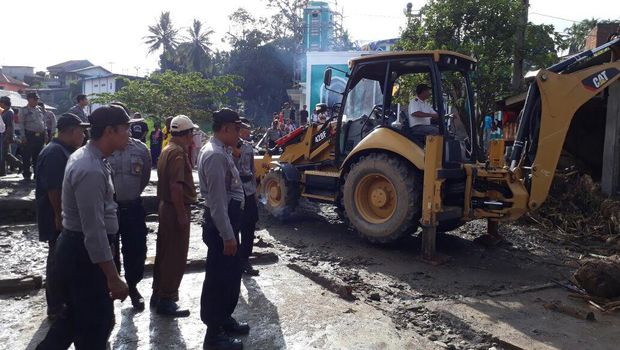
x=136 y=298
x=247 y=268
x=234 y=327
x=218 y=340
x=154 y=301
x=167 y=307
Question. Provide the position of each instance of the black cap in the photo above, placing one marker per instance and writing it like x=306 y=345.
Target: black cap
x=5 y=100
x=110 y=115
x=69 y=120
x=32 y=95
x=227 y=115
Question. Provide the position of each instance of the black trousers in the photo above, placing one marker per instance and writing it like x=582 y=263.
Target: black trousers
x=88 y=319
x=132 y=233
x=52 y=290
x=248 y=226
x=30 y=151
x=222 y=284
x=155 y=152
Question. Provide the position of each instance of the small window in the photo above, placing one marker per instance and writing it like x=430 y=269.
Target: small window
x=96 y=85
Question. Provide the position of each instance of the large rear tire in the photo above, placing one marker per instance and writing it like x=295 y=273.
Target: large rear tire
x=382 y=197
x=279 y=196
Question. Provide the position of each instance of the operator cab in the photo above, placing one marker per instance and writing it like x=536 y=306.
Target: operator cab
x=381 y=86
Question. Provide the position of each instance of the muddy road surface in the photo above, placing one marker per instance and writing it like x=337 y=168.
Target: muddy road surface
x=329 y=289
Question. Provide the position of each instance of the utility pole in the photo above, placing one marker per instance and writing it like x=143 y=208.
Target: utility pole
x=517 y=65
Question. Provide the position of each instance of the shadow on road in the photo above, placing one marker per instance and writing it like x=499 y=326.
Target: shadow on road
x=266 y=332
x=165 y=333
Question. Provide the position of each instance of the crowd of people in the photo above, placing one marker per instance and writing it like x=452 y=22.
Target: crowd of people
x=90 y=172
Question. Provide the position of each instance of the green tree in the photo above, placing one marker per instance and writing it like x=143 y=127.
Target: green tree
x=171 y=93
x=541 y=44
x=198 y=54
x=483 y=29
x=577 y=33
x=163 y=35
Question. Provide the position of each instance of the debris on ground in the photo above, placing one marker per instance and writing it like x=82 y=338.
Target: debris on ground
x=600 y=277
x=571 y=311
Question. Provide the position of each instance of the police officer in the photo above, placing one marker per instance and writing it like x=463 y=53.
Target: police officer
x=85 y=267
x=176 y=191
x=139 y=129
x=221 y=188
x=51 y=169
x=34 y=137
x=78 y=109
x=244 y=160
x=131 y=174
x=50 y=121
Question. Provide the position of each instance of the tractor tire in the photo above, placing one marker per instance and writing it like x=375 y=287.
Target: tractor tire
x=382 y=198
x=279 y=196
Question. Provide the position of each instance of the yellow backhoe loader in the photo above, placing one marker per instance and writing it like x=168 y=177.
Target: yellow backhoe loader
x=389 y=181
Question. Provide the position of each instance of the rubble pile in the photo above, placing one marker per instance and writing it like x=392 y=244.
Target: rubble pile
x=600 y=278
x=576 y=207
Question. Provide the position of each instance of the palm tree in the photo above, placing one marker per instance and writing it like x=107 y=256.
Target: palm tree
x=163 y=34
x=199 y=49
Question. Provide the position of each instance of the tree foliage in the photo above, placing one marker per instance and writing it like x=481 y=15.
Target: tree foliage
x=484 y=29
x=172 y=93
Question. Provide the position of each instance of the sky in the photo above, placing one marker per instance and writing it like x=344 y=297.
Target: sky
x=110 y=33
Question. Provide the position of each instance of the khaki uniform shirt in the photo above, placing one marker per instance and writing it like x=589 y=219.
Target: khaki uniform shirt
x=32 y=119
x=131 y=170
x=174 y=166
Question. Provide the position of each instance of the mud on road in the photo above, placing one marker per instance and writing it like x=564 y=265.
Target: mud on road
x=332 y=290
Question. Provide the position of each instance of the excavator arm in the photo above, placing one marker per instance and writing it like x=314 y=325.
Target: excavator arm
x=552 y=101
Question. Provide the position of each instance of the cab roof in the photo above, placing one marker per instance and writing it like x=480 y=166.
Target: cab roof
x=441 y=57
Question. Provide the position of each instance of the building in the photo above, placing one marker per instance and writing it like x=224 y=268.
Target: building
x=11 y=84
x=109 y=84
x=63 y=73
x=380 y=45
x=600 y=34
x=18 y=72
x=318 y=26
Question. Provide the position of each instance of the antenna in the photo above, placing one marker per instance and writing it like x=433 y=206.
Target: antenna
x=111 y=66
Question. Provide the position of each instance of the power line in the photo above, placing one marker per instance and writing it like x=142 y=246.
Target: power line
x=555 y=17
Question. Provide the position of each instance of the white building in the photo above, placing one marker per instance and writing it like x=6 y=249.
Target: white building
x=109 y=84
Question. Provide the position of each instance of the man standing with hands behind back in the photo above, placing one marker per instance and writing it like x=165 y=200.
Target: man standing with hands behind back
x=176 y=191
x=221 y=188
x=51 y=169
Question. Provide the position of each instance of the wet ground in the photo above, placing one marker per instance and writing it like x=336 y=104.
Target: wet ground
x=475 y=301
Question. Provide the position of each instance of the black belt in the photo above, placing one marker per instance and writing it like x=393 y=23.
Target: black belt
x=130 y=203
x=34 y=133
x=73 y=233
x=246 y=178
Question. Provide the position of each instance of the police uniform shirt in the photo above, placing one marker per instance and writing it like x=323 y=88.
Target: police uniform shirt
x=79 y=111
x=32 y=119
x=88 y=201
x=219 y=183
x=50 y=121
x=417 y=105
x=245 y=166
x=131 y=170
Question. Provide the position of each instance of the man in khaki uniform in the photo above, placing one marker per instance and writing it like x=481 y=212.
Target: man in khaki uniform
x=176 y=191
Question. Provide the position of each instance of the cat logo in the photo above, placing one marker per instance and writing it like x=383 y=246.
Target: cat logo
x=597 y=80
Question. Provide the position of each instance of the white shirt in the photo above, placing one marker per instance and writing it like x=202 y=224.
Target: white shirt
x=417 y=105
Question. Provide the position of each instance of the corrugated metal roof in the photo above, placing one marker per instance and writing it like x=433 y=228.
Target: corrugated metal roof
x=18 y=101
